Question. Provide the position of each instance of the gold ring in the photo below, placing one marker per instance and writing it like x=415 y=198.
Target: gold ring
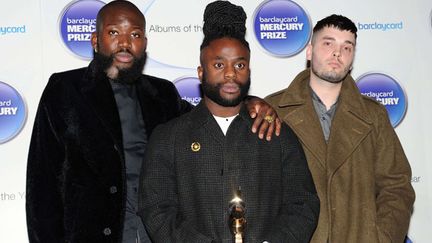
x=269 y=119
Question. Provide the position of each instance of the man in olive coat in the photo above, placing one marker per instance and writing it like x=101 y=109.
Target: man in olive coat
x=359 y=167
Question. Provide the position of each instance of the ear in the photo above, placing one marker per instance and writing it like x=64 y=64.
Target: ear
x=94 y=41
x=200 y=73
x=309 y=52
x=145 y=43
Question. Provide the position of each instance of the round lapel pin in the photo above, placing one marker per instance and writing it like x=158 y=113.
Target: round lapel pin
x=195 y=146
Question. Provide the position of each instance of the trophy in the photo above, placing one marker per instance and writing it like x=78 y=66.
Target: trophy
x=237 y=221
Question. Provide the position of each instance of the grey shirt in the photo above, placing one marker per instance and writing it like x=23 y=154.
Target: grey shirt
x=325 y=116
x=134 y=143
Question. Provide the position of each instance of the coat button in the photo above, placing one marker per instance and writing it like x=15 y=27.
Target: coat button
x=107 y=231
x=113 y=189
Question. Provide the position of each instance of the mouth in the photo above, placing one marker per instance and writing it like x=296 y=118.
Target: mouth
x=334 y=64
x=230 y=88
x=123 y=57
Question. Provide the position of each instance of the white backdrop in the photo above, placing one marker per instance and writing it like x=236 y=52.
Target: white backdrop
x=32 y=49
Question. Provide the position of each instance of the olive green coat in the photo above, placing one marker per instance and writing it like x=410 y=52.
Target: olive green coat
x=362 y=175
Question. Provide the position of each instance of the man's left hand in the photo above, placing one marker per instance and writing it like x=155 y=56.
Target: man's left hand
x=265 y=116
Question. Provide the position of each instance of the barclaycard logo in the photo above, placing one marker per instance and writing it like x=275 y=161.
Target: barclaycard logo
x=386 y=90
x=4 y=30
x=377 y=26
x=13 y=112
x=281 y=27
x=77 y=23
x=189 y=89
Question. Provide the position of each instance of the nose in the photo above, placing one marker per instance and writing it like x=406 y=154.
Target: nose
x=230 y=72
x=336 y=53
x=124 y=41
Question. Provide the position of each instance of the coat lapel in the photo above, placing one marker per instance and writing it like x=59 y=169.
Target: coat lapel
x=302 y=118
x=98 y=94
x=150 y=105
x=201 y=117
x=350 y=126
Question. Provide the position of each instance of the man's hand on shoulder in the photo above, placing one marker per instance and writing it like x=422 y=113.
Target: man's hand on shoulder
x=266 y=120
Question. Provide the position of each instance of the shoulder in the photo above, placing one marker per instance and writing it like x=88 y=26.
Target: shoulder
x=287 y=134
x=171 y=128
x=276 y=96
x=61 y=83
x=69 y=75
x=65 y=78
x=375 y=108
x=158 y=83
x=159 y=87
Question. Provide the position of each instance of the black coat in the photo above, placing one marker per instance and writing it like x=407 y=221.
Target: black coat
x=76 y=171
x=185 y=189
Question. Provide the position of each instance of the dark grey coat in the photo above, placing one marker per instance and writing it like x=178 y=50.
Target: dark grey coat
x=185 y=194
x=76 y=172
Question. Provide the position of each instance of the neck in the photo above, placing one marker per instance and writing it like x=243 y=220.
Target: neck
x=328 y=92
x=221 y=111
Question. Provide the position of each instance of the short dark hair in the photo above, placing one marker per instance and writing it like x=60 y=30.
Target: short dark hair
x=116 y=4
x=224 y=19
x=337 y=21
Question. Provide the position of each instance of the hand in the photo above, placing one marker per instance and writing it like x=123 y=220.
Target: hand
x=265 y=118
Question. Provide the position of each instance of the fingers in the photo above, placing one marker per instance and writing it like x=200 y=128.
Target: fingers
x=272 y=125
x=253 y=111
x=258 y=123
x=266 y=126
x=270 y=130
x=266 y=120
x=278 y=123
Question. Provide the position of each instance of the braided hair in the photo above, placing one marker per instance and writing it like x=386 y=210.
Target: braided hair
x=224 y=19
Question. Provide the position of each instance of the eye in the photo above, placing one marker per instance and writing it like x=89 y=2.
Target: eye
x=348 y=48
x=218 y=65
x=112 y=32
x=136 y=35
x=240 y=65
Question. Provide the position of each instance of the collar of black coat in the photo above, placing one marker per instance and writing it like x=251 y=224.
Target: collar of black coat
x=94 y=78
x=201 y=115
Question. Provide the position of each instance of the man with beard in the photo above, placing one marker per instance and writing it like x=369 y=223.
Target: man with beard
x=90 y=135
x=195 y=164
x=359 y=167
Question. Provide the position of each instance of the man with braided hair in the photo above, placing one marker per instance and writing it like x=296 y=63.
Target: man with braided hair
x=90 y=135
x=195 y=163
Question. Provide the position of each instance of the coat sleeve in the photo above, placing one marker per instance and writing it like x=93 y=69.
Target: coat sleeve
x=44 y=209
x=395 y=195
x=158 y=201
x=300 y=203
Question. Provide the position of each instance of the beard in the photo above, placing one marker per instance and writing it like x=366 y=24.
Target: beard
x=124 y=75
x=213 y=92
x=330 y=76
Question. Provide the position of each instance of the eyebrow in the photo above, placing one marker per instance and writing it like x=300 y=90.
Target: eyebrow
x=241 y=58
x=132 y=26
x=333 y=39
